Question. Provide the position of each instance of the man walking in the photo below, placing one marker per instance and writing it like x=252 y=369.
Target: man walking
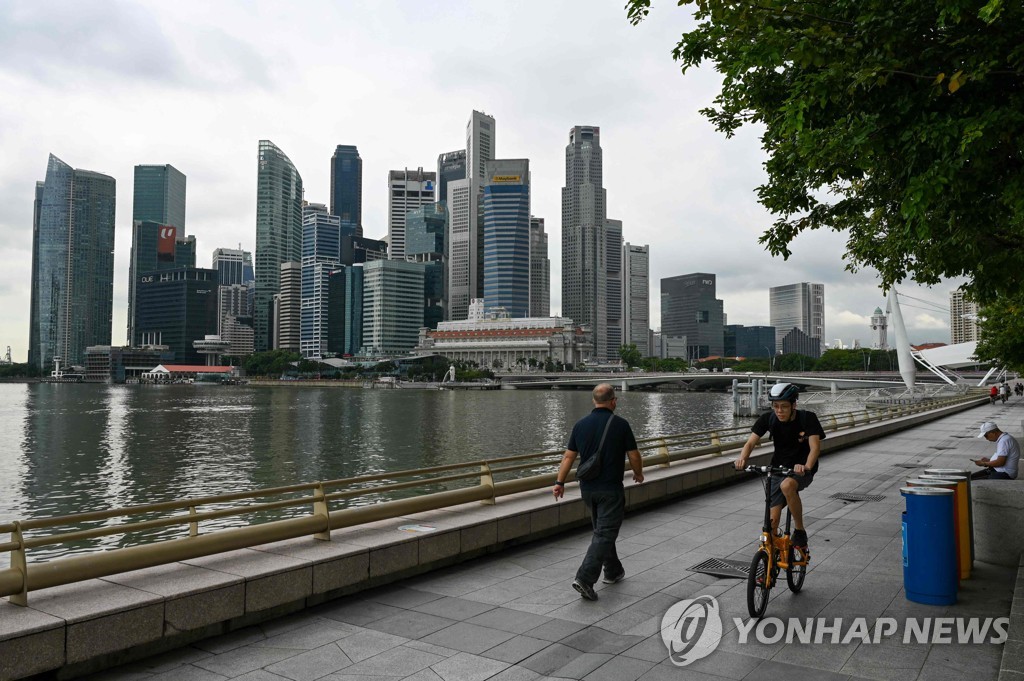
x=1002 y=466
x=609 y=437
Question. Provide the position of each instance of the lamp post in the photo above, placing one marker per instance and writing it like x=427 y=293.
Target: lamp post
x=771 y=358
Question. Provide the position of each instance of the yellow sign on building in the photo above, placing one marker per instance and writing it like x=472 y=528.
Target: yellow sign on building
x=506 y=178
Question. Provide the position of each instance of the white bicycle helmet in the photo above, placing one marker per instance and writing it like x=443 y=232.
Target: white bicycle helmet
x=783 y=392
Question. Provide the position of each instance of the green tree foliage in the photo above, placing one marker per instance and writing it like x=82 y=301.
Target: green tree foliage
x=19 y=371
x=270 y=363
x=630 y=355
x=1002 y=333
x=899 y=123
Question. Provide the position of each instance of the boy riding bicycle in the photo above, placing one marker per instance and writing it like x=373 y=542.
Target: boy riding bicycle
x=797 y=435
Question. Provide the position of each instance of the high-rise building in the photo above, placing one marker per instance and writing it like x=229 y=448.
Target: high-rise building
x=614 y=324
x=798 y=306
x=540 y=270
x=879 y=330
x=233 y=265
x=425 y=230
x=450 y=167
x=506 y=204
x=155 y=247
x=584 y=237
x=321 y=253
x=461 y=250
x=796 y=342
x=345 y=316
x=234 y=321
x=480 y=148
x=33 y=324
x=287 y=308
x=72 y=264
x=407 y=191
x=159 y=196
x=278 y=232
x=636 y=298
x=175 y=308
x=689 y=308
x=357 y=249
x=392 y=306
x=347 y=189
x=963 y=318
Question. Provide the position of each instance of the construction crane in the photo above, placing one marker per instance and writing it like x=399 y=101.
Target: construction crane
x=7 y=357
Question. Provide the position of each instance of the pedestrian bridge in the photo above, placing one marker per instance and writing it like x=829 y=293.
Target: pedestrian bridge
x=626 y=380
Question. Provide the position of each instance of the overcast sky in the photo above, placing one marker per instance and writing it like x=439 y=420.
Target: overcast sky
x=110 y=84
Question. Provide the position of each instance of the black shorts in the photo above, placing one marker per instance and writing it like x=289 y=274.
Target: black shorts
x=802 y=482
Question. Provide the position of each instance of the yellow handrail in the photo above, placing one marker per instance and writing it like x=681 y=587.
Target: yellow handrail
x=319 y=520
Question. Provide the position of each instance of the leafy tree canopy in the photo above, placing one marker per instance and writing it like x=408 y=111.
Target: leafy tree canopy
x=1002 y=333
x=898 y=122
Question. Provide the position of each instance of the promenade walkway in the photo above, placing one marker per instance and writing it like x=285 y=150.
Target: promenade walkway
x=513 y=616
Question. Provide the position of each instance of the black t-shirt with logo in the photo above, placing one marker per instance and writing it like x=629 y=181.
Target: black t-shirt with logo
x=790 y=437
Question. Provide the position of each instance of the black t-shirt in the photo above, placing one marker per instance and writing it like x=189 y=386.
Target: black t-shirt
x=790 y=437
x=586 y=435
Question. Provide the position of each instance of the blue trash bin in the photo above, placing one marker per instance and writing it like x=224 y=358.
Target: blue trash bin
x=929 y=546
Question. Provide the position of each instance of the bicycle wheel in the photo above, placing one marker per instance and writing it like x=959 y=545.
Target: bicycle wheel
x=757 y=585
x=795 y=573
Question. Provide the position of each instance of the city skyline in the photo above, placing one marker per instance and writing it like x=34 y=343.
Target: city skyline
x=676 y=184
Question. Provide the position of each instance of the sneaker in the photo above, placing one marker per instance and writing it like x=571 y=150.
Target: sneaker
x=800 y=539
x=613 y=580
x=585 y=590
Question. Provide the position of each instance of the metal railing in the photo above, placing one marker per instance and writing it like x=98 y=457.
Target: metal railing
x=460 y=483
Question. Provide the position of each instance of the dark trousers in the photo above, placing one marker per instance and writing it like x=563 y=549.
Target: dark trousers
x=606 y=512
x=990 y=474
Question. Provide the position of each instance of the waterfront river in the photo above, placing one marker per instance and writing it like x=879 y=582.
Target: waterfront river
x=81 y=447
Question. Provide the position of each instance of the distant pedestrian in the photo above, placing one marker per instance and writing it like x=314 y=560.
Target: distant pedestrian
x=1002 y=466
x=1004 y=391
x=993 y=394
x=607 y=436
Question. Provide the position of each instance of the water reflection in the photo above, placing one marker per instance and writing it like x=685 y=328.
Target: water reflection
x=73 y=448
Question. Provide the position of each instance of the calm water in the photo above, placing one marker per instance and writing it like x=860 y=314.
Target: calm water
x=70 y=448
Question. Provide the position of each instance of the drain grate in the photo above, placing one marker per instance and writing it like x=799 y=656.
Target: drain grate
x=856 y=496
x=730 y=569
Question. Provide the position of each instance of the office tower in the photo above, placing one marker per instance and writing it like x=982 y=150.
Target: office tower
x=234 y=318
x=347 y=189
x=689 y=308
x=278 y=232
x=425 y=230
x=357 y=249
x=480 y=148
x=407 y=191
x=72 y=264
x=33 y=323
x=155 y=247
x=234 y=266
x=345 y=311
x=506 y=205
x=540 y=270
x=749 y=341
x=287 y=308
x=450 y=167
x=175 y=308
x=584 y=242
x=159 y=195
x=636 y=298
x=800 y=306
x=461 y=250
x=392 y=306
x=796 y=342
x=963 y=318
x=321 y=252
x=879 y=330
x=613 y=256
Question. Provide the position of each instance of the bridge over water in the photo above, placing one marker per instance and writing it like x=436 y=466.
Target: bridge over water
x=699 y=380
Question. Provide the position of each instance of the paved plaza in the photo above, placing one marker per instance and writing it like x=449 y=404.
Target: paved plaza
x=513 y=616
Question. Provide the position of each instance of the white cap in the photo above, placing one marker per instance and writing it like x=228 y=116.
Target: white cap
x=987 y=427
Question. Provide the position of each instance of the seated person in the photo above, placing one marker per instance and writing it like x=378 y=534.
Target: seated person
x=1002 y=466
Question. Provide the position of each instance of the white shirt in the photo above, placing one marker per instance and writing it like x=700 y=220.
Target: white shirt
x=1007 y=446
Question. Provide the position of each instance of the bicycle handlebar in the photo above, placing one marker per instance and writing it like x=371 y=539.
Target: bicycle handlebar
x=769 y=470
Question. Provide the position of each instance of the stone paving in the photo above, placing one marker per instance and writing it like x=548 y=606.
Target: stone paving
x=513 y=616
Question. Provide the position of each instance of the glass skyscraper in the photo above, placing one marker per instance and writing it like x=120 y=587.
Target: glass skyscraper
x=506 y=204
x=159 y=195
x=321 y=248
x=425 y=229
x=155 y=247
x=72 y=264
x=278 y=231
x=347 y=189
x=689 y=308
